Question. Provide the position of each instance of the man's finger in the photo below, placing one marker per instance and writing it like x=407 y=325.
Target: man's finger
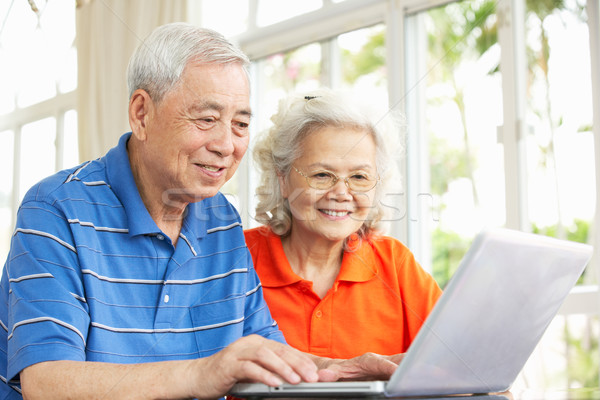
x=328 y=375
x=276 y=358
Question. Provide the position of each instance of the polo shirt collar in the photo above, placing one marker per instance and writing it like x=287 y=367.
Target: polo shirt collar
x=275 y=277
x=120 y=179
x=360 y=265
x=196 y=217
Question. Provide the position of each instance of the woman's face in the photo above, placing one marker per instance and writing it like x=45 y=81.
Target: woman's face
x=334 y=213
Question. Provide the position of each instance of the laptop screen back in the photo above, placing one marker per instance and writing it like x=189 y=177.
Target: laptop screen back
x=491 y=315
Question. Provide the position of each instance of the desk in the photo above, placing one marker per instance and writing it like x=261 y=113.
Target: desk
x=555 y=394
x=529 y=394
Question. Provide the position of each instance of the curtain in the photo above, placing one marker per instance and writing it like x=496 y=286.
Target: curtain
x=107 y=33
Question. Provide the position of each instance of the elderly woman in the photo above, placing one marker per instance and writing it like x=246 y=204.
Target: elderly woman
x=335 y=285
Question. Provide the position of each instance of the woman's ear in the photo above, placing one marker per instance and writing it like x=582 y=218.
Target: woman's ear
x=283 y=185
x=141 y=107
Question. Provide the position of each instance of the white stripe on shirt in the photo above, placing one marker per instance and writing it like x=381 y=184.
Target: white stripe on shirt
x=223 y=228
x=167 y=330
x=45 y=319
x=45 y=234
x=98 y=228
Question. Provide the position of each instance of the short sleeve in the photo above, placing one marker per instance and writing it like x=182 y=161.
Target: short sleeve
x=258 y=317
x=48 y=317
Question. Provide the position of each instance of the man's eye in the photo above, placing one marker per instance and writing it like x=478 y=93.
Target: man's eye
x=360 y=177
x=204 y=123
x=241 y=128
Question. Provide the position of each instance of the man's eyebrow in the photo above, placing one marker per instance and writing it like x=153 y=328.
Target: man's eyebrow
x=211 y=105
x=245 y=113
x=207 y=105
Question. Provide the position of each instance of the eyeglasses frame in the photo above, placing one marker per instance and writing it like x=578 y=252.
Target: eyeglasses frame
x=336 y=179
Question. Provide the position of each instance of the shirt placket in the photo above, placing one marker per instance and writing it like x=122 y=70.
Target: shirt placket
x=164 y=318
x=321 y=321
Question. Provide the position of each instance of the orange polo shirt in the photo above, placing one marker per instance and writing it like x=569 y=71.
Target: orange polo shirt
x=378 y=301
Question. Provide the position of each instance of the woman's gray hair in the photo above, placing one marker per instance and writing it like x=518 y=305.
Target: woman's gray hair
x=157 y=63
x=298 y=116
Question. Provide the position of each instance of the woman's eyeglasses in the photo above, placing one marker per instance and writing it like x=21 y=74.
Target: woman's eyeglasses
x=323 y=180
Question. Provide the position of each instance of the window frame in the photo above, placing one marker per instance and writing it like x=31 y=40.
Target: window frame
x=336 y=18
x=55 y=107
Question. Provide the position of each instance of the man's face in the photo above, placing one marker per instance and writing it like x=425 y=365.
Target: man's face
x=197 y=134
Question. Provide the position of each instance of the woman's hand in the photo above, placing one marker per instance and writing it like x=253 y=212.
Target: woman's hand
x=369 y=366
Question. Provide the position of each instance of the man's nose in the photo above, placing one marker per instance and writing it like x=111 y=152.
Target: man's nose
x=222 y=141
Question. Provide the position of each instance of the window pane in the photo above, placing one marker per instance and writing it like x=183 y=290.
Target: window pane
x=566 y=357
x=363 y=58
x=38 y=44
x=6 y=184
x=7 y=82
x=229 y=17
x=38 y=152
x=272 y=11
x=456 y=95
x=67 y=78
x=560 y=147
x=19 y=22
x=70 y=142
x=280 y=74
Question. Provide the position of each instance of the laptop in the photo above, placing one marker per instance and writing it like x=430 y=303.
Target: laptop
x=484 y=327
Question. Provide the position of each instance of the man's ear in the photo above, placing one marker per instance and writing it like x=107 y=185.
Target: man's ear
x=140 y=108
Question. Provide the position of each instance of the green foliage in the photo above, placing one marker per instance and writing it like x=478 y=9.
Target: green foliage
x=446 y=164
x=460 y=30
x=448 y=249
x=297 y=69
x=543 y=8
x=583 y=360
x=369 y=58
x=578 y=232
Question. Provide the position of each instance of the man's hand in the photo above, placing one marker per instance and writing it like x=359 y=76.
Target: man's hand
x=251 y=358
x=369 y=366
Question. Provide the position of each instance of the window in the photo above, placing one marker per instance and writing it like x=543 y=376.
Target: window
x=560 y=142
x=38 y=120
x=456 y=86
x=273 y=11
x=480 y=110
x=6 y=190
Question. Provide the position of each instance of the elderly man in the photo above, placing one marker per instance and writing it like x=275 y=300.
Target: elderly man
x=128 y=276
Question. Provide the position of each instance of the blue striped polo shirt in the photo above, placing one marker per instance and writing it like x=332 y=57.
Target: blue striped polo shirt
x=90 y=276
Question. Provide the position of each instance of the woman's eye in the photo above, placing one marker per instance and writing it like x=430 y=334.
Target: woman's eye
x=360 y=177
x=322 y=175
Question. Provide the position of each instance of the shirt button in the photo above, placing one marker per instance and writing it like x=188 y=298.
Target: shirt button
x=319 y=314
x=166 y=298
x=160 y=237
